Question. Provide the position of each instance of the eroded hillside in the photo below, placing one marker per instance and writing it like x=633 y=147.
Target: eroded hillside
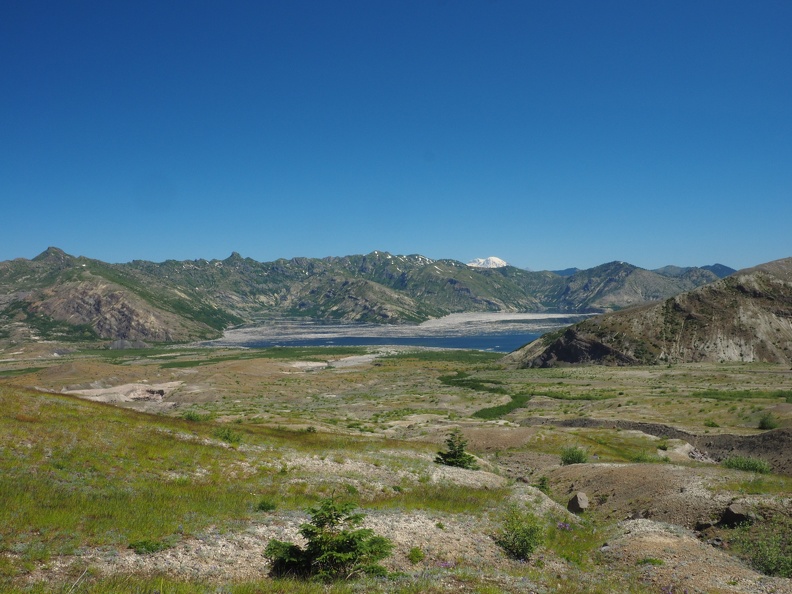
x=744 y=317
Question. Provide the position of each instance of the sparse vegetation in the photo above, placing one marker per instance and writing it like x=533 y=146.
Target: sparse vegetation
x=164 y=481
x=543 y=484
x=767 y=545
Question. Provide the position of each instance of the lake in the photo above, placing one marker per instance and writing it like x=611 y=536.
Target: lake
x=499 y=332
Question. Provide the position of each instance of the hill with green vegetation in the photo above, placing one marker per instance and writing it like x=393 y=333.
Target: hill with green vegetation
x=744 y=317
x=56 y=296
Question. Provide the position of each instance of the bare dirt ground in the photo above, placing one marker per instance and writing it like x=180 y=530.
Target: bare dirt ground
x=674 y=560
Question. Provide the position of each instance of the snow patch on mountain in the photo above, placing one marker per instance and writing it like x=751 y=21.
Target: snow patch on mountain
x=491 y=262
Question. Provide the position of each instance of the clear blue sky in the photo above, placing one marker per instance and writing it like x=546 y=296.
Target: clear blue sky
x=550 y=134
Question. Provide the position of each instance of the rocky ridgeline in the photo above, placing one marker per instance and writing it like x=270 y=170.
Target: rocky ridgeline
x=745 y=317
x=60 y=296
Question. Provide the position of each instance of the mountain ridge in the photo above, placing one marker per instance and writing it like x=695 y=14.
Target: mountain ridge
x=175 y=301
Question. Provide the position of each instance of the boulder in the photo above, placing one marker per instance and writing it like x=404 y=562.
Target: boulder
x=579 y=503
x=736 y=514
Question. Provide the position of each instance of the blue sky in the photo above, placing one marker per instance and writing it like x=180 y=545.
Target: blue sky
x=550 y=134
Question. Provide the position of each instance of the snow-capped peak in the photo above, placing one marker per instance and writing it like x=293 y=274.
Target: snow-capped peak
x=491 y=262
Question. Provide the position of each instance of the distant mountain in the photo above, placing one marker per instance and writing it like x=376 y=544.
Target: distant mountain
x=491 y=262
x=746 y=316
x=718 y=270
x=566 y=271
x=62 y=297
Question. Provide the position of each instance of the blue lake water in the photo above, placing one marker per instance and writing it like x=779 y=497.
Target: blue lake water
x=486 y=331
x=502 y=343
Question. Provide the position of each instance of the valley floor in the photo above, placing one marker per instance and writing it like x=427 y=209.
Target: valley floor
x=241 y=441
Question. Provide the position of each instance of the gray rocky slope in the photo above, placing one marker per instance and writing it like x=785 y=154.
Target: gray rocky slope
x=744 y=317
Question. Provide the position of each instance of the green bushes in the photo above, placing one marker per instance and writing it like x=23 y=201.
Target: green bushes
x=266 y=505
x=196 y=417
x=228 y=435
x=416 y=555
x=573 y=455
x=496 y=412
x=747 y=464
x=520 y=534
x=767 y=545
x=337 y=548
x=456 y=454
x=768 y=421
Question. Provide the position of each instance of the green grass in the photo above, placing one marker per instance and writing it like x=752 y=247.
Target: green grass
x=577 y=542
x=747 y=464
x=463 y=380
x=760 y=485
x=445 y=498
x=451 y=356
x=291 y=353
x=496 y=412
x=77 y=474
x=741 y=394
x=590 y=395
x=16 y=372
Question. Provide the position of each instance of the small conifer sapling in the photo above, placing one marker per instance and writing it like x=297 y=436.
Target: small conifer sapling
x=456 y=454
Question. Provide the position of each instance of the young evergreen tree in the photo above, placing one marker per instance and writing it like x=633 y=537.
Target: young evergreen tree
x=337 y=547
x=456 y=454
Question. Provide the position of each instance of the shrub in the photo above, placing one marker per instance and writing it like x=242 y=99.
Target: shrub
x=710 y=423
x=337 y=548
x=573 y=455
x=456 y=454
x=520 y=534
x=196 y=417
x=768 y=421
x=266 y=505
x=416 y=555
x=543 y=484
x=747 y=464
x=228 y=435
x=147 y=547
